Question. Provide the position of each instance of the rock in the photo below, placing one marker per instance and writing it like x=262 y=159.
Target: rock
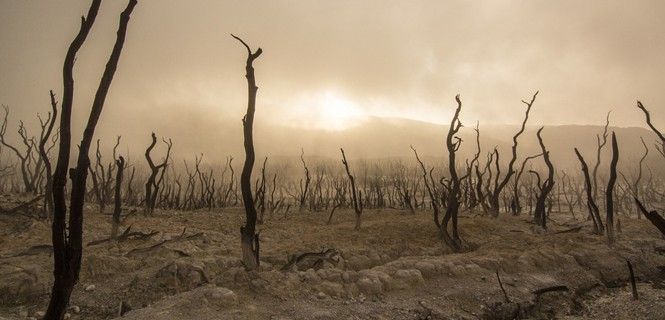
x=359 y=262
x=311 y=276
x=350 y=276
x=426 y=268
x=75 y=309
x=182 y=274
x=332 y=288
x=40 y=314
x=67 y=316
x=410 y=277
x=330 y=274
x=220 y=297
x=258 y=284
x=90 y=287
x=370 y=286
x=321 y=295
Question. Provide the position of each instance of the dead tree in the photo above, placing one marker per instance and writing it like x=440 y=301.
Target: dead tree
x=356 y=196
x=67 y=238
x=653 y=217
x=594 y=213
x=600 y=144
x=117 y=210
x=638 y=179
x=304 y=189
x=498 y=187
x=516 y=205
x=153 y=184
x=453 y=143
x=44 y=154
x=249 y=238
x=650 y=124
x=539 y=215
x=24 y=157
x=609 y=192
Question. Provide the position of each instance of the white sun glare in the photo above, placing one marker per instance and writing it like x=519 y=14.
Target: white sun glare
x=328 y=110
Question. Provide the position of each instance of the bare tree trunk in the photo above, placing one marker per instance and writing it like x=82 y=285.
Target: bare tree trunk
x=601 y=142
x=43 y=152
x=117 y=210
x=68 y=246
x=591 y=203
x=453 y=144
x=357 y=196
x=249 y=239
x=540 y=216
x=609 y=192
x=498 y=187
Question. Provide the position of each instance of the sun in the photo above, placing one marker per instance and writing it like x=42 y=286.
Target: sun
x=327 y=110
x=338 y=113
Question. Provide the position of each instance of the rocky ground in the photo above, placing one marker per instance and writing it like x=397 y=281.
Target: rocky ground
x=395 y=268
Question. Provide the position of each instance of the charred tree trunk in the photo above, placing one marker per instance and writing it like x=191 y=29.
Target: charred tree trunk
x=653 y=217
x=153 y=184
x=601 y=142
x=356 y=196
x=43 y=153
x=609 y=192
x=540 y=215
x=68 y=246
x=594 y=213
x=516 y=203
x=117 y=210
x=453 y=144
x=304 y=189
x=498 y=187
x=249 y=239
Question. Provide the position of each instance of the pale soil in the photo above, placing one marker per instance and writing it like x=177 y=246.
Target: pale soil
x=395 y=268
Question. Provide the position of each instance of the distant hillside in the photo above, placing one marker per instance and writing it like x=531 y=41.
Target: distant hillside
x=391 y=138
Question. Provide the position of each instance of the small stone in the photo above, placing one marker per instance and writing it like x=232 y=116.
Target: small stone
x=40 y=314
x=23 y=314
x=67 y=316
x=222 y=297
x=90 y=287
x=75 y=309
x=321 y=295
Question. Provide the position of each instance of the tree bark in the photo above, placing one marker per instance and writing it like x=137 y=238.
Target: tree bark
x=67 y=246
x=609 y=192
x=248 y=237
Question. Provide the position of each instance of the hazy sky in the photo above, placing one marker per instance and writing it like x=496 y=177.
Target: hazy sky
x=329 y=64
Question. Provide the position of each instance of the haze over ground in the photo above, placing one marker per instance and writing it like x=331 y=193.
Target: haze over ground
x=333 y=66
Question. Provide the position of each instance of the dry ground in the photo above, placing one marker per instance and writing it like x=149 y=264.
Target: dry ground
x=395 y=268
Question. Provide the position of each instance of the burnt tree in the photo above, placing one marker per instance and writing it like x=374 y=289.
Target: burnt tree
x=67 y=237
x=494 y=205
x=117 y=208
x=516 y=205
x=453 y=143
x=304 y=188
x=540 y=215
x=594 y=213
x=153 y=184
x=600 y=144
x=44 y=154
x=356 y=196
x=249 y=238
x=609 y=191
x=25 y=158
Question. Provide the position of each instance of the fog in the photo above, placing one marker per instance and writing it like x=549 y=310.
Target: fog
x=332 y=66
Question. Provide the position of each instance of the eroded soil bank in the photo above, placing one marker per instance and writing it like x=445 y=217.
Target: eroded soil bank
x=395 y=268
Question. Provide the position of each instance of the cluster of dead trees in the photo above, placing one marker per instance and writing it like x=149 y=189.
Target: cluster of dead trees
x=448 y=189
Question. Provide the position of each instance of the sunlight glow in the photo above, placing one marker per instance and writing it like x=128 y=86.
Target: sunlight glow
x=327 y=110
